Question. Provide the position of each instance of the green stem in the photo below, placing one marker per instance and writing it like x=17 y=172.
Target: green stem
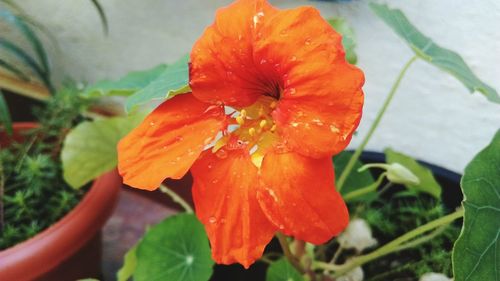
x=367 y=189
x=395 y=244
x=288 y=254
x=357 y=152
x=176 y=198
x=422 y=239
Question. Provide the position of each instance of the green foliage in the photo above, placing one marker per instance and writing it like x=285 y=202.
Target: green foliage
x=389 y=218
x=172 y=81
x=355 y=180
x=126 y=86
x=175 y=249
x=348 y=38
x=20 y=24
x=429 y=51
x=35 y=194
x=89 y=149
x=476 y=255
x=129 y=265
x=282 y=270
x=5 y=119
x=428 y=183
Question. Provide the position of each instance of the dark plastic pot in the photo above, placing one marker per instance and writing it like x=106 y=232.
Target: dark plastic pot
x=71 y=248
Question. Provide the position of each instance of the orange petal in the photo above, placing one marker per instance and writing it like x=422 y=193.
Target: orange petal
x=318 y=127
x=222 y=64
x=321 y=100
x=168 y=141
x=224 y=193
x=297 y=194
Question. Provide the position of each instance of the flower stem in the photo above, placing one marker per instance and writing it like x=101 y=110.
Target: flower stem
x=288 y=254
x=395 y=245
x=364 y=190
x=378 y=118
x=176 y=198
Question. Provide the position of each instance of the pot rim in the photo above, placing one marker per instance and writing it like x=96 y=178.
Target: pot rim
x=44 y=251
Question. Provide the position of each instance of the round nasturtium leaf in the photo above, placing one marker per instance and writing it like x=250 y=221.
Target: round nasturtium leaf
x=282 y=270
x=175 y=249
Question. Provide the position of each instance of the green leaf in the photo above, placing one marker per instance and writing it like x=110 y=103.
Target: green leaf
x=348 y=38
x=5 y=119
x=426 y=49
x=126 y=86
x=129 y=265
x=476 y=255
x=282 y=270
x=28 y=33
x=175 y=249
x=174 y=80
x=428 y=183
x=89 y=149
x=102 y=15
x=355 y=180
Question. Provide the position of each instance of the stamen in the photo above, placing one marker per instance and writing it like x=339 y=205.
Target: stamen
x=240 y=120
x=263 y=123
x=251 y=132
x=273 y=128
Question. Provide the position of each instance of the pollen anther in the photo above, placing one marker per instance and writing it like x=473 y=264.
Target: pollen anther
x=251 y=132
x=240 y=120
x=263 y=123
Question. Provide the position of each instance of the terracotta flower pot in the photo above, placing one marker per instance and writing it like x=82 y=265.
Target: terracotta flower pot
x=71 y=248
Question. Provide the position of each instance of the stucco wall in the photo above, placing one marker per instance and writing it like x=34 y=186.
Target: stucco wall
x=433 y=117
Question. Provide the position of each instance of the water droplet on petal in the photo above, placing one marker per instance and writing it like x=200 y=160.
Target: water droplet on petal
x=263 y=61
x=292 y=91
x=151 y=123
x=308 y=41
x=293 y=58
x=282 y=226
x=212 y=219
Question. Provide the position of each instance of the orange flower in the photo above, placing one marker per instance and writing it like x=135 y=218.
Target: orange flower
x=292 y=101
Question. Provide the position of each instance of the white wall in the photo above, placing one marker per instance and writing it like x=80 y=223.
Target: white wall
x=433 y=117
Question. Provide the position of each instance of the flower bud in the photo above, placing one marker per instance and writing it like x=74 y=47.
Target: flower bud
x=397 y=173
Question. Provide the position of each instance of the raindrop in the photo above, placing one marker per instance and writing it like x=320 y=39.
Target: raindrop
x=263 y=61
x=189 y=260
x=294 y=58
x=282 y=226
x=179 y=138
x=212 y=219
x=292 y=91
x=284 y=33
x=308 y=41
x=151 y=123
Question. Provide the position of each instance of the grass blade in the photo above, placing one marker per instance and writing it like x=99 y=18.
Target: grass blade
x=5 y=119
x=11 y=68
x=28 y=33
x=28 y=60
x=102 y=16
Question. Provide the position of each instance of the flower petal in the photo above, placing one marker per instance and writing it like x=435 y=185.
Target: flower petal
x=321 y=99
x=168 y=141
x=224 y=193
x=297 y=194
x=318 y=127
x=222 y=64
